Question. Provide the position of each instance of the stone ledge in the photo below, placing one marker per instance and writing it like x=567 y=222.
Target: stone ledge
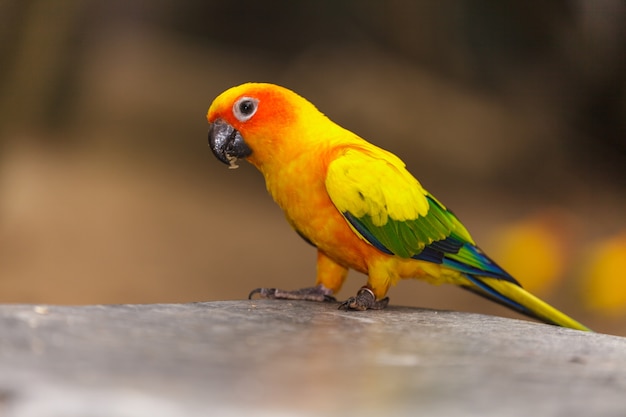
x=280 y=358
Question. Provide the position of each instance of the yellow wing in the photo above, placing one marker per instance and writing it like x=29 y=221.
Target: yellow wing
x=387 y=207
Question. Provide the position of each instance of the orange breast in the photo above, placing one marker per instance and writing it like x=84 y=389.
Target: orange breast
x=299 y=189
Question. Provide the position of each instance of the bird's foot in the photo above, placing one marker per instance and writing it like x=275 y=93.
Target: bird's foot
x=317 y=293
x=364 y=300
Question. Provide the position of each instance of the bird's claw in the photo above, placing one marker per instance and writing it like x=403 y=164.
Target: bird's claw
x=364 y=300
x=317 y=293
x=269 y=293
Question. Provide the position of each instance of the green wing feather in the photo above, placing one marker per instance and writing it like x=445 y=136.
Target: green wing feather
x=387 y=206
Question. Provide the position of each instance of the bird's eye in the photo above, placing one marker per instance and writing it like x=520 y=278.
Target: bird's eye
x=245 y=108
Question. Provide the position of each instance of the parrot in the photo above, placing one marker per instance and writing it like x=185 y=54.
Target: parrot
x=357 y=204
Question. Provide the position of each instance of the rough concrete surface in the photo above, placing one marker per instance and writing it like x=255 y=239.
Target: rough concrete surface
x=279 y=358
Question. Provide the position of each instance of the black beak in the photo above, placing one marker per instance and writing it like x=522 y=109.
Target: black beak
x=226 y=142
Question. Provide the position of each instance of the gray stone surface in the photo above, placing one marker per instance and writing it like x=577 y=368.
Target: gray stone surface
x=278 y=358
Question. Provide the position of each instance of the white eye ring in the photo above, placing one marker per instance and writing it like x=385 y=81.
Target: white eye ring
x=245 y=108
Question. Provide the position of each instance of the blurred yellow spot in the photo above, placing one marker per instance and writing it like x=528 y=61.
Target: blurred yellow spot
x=534 y=251
x=605 y=277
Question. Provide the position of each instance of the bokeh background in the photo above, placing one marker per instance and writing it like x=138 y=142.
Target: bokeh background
x=511 y=113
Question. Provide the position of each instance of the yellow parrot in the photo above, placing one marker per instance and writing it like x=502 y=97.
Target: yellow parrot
x=356 y=203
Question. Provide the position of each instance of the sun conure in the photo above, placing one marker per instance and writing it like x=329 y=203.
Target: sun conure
x=356 y=203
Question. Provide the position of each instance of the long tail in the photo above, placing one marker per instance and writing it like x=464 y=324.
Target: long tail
x=488 y=279
x=515 y=297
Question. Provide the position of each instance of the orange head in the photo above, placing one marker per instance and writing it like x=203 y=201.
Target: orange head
x=262 y=122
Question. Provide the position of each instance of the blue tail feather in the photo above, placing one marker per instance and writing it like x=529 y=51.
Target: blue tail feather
x=464 y=257
x=486 y=291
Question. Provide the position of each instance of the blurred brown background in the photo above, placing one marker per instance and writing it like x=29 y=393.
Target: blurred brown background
x=511 y=113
